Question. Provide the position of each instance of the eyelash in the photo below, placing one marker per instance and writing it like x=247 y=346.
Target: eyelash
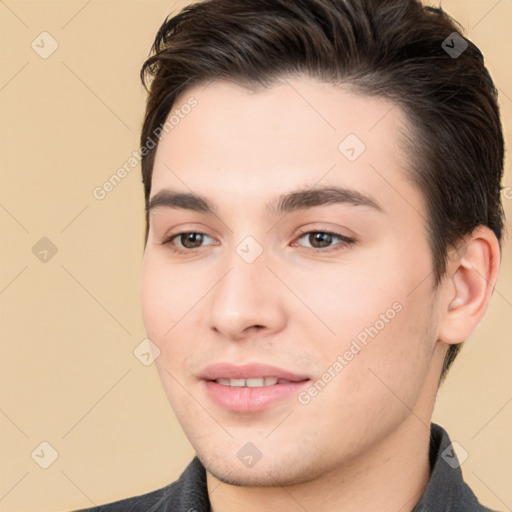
x=345 y=241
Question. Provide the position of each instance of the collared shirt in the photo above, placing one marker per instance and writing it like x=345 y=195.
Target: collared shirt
x=445 y=491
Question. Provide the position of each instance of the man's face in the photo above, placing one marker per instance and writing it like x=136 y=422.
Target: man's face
x=352 y=310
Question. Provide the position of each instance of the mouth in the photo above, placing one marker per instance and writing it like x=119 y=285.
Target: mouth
x=252 y=387
x=255 y=382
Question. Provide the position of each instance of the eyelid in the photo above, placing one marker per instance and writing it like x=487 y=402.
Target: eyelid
x=182 y=229
x=169 y=238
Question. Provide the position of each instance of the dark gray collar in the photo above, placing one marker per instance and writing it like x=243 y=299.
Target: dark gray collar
x=446 y=490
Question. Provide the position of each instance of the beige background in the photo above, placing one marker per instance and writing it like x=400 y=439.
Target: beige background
x=69 y=325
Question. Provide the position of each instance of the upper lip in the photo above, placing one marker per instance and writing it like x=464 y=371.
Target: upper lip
x=248 y=371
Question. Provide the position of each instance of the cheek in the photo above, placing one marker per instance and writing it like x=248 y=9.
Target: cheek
x=162 y=308
x=381 y=320
x=373 y=385
x=344 y=299
x=386 y=364
x=163 y=297
x=152 y=298
x=171 y=309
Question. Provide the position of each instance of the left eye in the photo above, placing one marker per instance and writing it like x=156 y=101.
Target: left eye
x=321 y=239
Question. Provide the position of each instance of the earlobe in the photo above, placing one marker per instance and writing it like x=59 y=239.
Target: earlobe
x=472 y=277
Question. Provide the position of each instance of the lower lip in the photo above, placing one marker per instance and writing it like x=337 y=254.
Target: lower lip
x=245 y=399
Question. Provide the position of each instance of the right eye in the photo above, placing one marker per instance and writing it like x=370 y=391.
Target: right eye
x=188 y=241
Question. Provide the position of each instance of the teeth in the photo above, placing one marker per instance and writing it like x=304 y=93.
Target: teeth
x=256 y=382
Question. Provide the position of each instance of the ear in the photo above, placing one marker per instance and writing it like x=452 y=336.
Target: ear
x=472 y=271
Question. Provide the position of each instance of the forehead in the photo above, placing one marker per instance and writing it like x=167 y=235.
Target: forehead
x=238 y=143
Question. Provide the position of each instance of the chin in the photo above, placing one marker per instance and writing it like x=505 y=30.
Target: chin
x=275 y=473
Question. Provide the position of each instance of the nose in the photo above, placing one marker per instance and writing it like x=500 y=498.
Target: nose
x=247 y=300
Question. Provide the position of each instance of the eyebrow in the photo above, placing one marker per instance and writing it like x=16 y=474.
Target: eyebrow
x=293 y=201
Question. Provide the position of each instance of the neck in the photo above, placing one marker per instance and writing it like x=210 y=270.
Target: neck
x=391 y=476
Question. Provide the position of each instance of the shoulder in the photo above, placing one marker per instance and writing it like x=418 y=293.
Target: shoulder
x=188 y=492
x=145 y=502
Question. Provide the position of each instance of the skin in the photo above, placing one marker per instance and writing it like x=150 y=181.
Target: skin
x=362 y=442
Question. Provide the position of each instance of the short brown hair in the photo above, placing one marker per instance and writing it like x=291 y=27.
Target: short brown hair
x=395 y=49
